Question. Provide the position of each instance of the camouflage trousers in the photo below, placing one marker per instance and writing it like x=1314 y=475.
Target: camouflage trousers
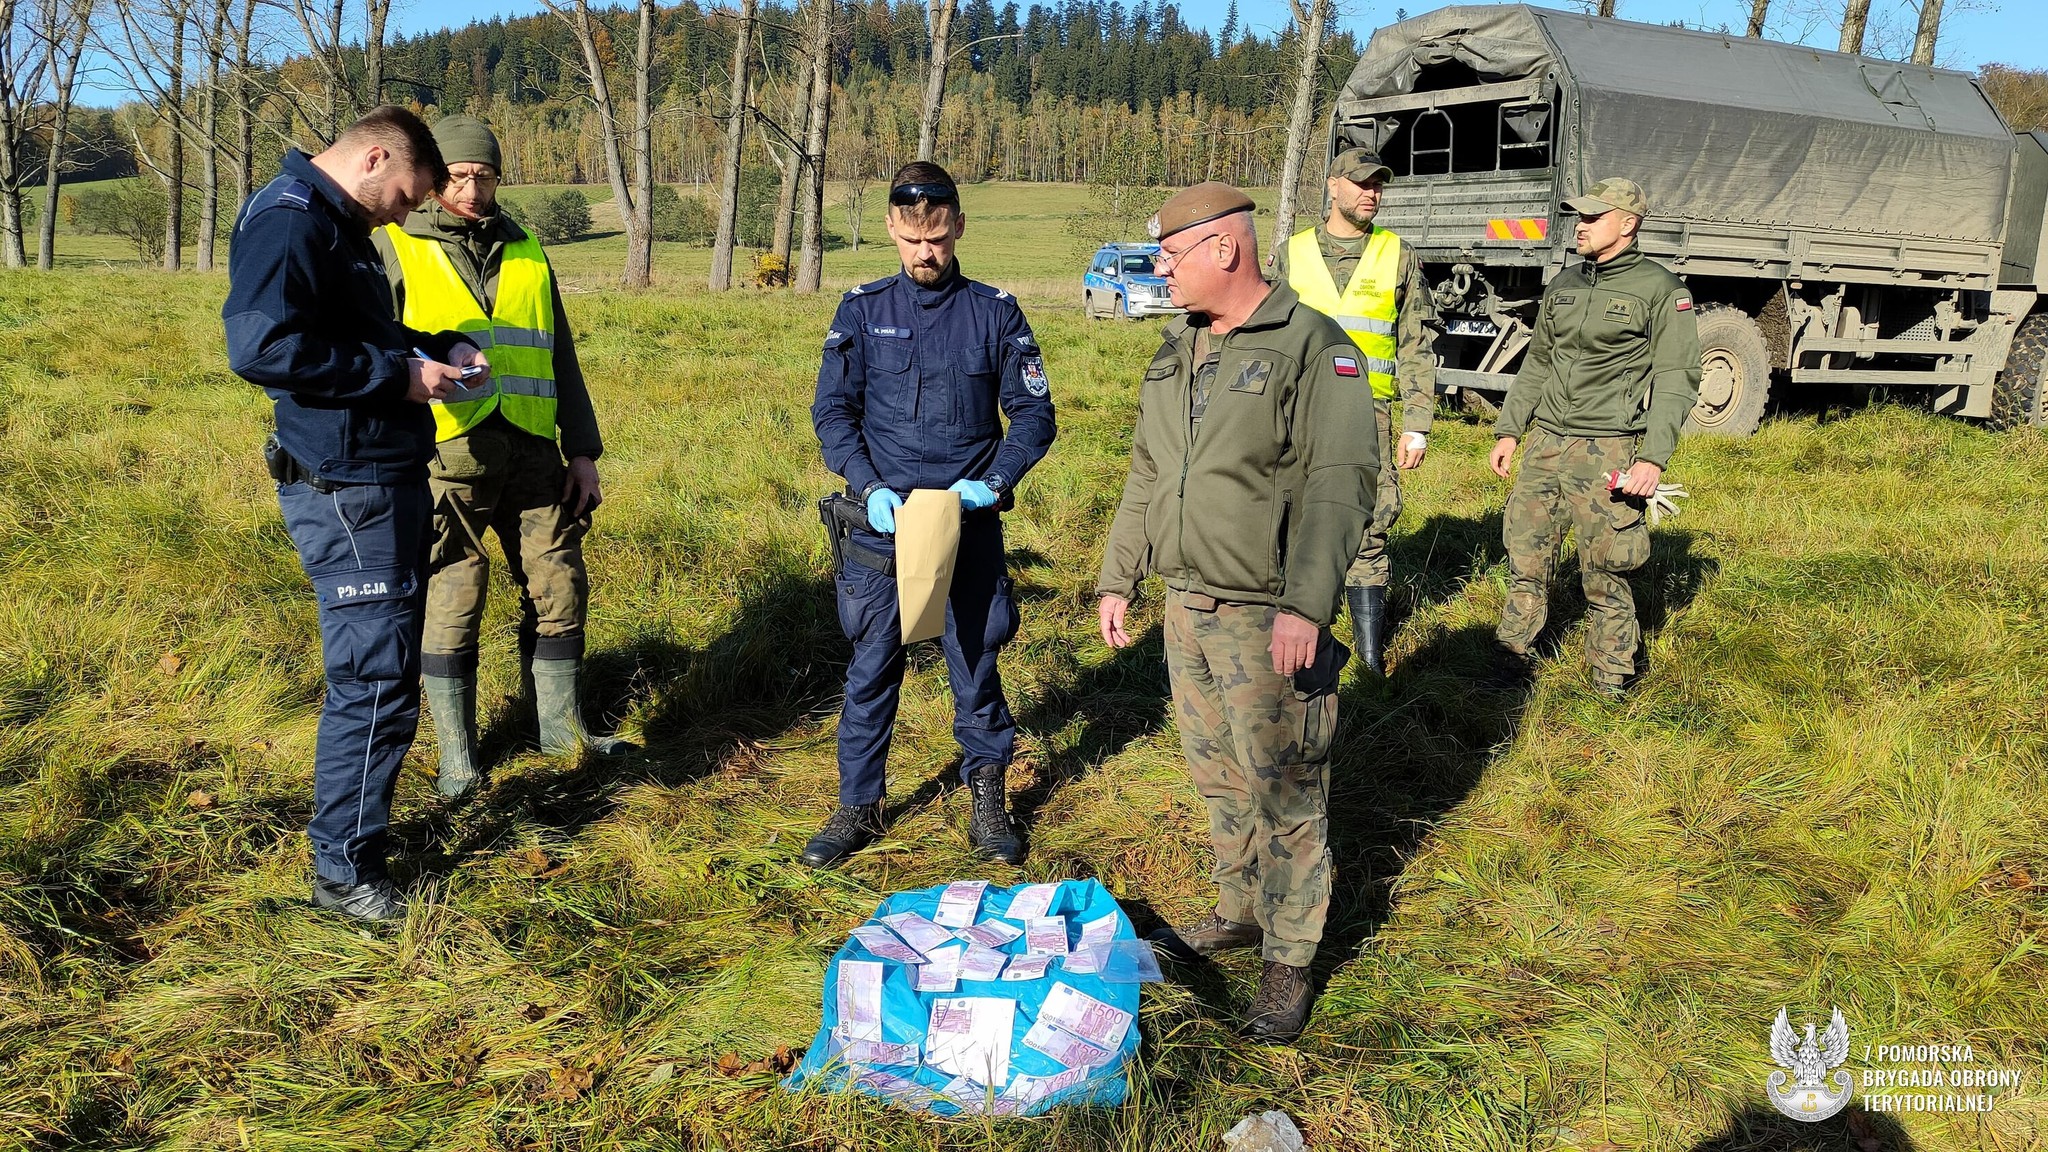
x=1562 y=484
x=497 y=478
x=1258 y=747
x=1370 y=569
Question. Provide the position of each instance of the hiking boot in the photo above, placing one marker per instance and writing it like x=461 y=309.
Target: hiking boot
x=555 y=694
x=451 y=700
x=989 y=830
x=377 y=901
x=1369 y=624
x=1212 y=934
x=1612 y=688
x=1281 y=1006
x=846 y=831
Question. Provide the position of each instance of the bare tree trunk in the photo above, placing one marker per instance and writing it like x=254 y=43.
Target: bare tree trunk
x=1758 y=10
x=1930 y=27
x=1606 y=7
x=375 y=14
x=735 y=146
x=174 y=173
x=65 y=45
x=209 y=120
x=20 y=83
x=785 y=206
x=337 y=70
x=577 y=17
x=640 y=237
x=245 y=109
x=1854 y=19
x=939 y=21
x=1308 y=24
x=810 y=271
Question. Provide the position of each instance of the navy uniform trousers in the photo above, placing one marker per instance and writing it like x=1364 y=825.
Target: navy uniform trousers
x=981 y=616
x=364 y=546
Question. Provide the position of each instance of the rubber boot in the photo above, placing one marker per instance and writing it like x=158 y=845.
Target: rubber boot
x=989 y=829
x=452 y=702
x=555 y=696
x=1369 y=624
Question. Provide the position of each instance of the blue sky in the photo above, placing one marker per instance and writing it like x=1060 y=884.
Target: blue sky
x=1974 y=32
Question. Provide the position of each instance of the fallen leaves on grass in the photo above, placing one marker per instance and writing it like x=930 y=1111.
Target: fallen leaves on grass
x=169 y=663
x=539 y=866
x=199 y=801
x=779 y=1062
x=564 y=1085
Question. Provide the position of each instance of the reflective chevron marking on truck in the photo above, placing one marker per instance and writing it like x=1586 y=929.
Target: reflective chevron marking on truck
x=1517 y=229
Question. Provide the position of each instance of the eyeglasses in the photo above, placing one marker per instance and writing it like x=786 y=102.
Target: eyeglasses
x=1166 y=259
x=477 y=178
x=905 y=195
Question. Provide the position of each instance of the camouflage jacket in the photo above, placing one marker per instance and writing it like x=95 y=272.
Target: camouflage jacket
x=1615 y=352
x=1267 y=503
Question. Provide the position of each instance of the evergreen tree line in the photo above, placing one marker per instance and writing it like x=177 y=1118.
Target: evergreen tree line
x=1045 y=94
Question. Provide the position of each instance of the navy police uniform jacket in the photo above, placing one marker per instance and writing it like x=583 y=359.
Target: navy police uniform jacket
x=310 y=320
x=913 y=380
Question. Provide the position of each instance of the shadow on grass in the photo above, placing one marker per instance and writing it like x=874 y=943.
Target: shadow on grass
x=1412 y=747
x=1764 y=1130
x=1117 y=703
x=777 y=663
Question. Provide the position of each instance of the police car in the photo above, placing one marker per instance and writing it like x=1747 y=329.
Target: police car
x=1121 y=283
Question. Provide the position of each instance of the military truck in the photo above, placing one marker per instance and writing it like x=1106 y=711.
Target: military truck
x=1841 y=220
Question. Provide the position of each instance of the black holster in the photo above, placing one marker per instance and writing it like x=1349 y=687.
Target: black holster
x=285 y=469
x=842 y=514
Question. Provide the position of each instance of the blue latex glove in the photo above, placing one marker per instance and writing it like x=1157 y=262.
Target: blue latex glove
x=974 y=494
x=882 y=506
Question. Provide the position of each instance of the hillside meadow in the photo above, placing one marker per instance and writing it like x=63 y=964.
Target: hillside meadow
x=1560 y=923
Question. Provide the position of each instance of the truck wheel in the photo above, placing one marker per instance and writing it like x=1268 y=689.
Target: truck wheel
x=1735 y=374
x=2016 y=396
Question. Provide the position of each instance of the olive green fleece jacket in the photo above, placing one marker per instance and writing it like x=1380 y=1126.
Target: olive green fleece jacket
x=1267 y=503
x=476 y=249
x=1615 y=352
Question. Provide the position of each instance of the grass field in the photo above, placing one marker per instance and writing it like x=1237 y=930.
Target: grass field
x=1560 y=923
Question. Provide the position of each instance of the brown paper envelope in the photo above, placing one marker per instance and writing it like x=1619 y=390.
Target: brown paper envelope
x=927 y=539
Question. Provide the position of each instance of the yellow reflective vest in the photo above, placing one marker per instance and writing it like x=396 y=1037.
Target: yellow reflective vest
x=518 y=336
x=1364 y=307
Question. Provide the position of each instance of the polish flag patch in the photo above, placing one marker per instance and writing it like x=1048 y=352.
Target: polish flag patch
x=1345 y=365
x=1685 y=303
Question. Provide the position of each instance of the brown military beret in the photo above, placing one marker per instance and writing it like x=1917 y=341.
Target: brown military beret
x=1209 y=200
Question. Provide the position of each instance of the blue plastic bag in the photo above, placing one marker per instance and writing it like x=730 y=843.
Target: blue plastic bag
x=906 y=1013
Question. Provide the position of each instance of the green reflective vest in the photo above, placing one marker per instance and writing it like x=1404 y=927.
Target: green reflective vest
x=1364 y=308
x=518 y=336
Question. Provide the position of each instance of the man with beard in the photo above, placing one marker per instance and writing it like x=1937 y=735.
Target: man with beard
x=499 y=455
x=308 y=319
x=1370 y=281
x=915 y=370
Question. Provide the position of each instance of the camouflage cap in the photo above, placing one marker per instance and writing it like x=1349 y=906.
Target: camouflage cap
x=1209 y=200
x=1616 y=193
x=1360 y=166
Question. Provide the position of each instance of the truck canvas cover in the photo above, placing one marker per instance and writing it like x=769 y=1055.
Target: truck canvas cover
x=1726 y=128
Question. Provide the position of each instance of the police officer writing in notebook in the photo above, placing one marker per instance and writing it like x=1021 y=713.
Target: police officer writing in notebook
x=917 y=370
x=309 y=320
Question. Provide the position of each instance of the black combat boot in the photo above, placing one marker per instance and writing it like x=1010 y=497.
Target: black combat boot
x=376 y=901
x=451 y=700
x=1281 y=1006
x=846 y=831
x=555 y=688
x=989 y=830
x=1369 y=624
x=1212 y=934
x=1512 y=671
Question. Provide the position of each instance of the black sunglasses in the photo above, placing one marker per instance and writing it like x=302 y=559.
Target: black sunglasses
x=905 y=195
